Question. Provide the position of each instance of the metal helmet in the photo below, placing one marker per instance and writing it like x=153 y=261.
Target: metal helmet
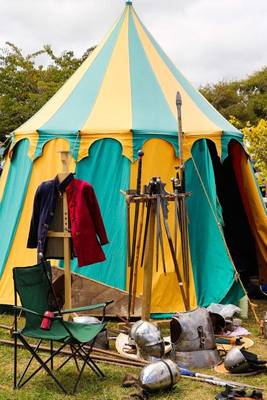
x=148 y=339
x=236 y=362
x=159 y=375
x=133 y=330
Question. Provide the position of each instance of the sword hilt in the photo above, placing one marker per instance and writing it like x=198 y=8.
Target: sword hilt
x=139 y=172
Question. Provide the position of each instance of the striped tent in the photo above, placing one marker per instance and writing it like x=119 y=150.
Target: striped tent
x=122 y=99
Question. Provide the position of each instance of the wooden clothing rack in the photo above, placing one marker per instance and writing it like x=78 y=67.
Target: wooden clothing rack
x=65 y=234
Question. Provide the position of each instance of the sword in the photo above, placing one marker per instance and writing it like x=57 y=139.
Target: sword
x=176 y=267
x=132 y=258
x=149 y=190
x=138 y=191
x=136 y=262
x=180 y=137
x=159 y=239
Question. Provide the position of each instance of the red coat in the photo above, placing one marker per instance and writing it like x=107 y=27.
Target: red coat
x=86 y=223
x=87 y=228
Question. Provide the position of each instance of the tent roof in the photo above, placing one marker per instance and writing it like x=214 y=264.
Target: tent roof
x=125 y=89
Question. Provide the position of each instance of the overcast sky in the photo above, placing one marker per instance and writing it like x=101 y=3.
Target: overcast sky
x=209 y=40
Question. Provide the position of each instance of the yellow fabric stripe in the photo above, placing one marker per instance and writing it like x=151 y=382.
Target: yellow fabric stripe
x=4 y=176
x=44 y=168
x=252 y=203
x=88 y=138
x=51 y=107
x=112 y=109
x=159 y=160
x=193 y=119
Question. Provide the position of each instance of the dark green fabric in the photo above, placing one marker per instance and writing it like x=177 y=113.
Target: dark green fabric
x=33 y=288
x=212 y=266
x=82 y=333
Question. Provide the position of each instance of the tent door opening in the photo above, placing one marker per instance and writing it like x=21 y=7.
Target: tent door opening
x=237 y=231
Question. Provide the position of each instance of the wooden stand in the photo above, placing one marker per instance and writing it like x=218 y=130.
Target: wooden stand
x=149 y=245
x=65 y=235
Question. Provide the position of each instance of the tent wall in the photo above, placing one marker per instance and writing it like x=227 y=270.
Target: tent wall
x=212 y=264
x=109 y=172
x=236 y=226
x=253 y=204
x=13 y=198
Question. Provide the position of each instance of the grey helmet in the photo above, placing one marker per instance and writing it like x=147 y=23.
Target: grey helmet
x=240 y=361
x=133 y=329
x=236 y=362
x=159 y=375
x=148 y=340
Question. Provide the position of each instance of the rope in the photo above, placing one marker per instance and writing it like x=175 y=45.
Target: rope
x=7 y=139
x=237 y=276
x=73 y=147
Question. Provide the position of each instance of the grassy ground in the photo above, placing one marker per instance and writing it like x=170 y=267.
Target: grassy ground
x=42 y=387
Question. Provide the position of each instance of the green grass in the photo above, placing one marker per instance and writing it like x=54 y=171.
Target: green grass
x=42 y=387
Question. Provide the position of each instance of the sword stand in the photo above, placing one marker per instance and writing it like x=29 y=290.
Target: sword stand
x=156 y=200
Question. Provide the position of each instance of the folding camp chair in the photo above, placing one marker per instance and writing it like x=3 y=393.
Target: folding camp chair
x=33 y=285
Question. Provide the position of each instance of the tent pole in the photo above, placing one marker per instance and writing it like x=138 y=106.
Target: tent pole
x=182 y=201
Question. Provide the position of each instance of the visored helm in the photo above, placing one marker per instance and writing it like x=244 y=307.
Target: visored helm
x=133 y=330
x=148 y=339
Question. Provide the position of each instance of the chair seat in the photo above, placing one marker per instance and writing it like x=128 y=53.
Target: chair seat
x=83 y=333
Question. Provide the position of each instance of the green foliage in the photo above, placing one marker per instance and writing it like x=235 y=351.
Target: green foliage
x=244 y=104
x=256 y=139
x=25 y=86
x=246 y=99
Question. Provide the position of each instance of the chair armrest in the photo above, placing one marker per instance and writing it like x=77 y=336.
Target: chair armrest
x=27 y=310
x=85 y=308
x=35 y=313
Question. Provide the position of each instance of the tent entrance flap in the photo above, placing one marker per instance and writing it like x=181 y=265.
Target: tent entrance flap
x=236 y=227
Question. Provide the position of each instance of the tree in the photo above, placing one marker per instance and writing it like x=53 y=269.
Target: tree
x=25 y=86
x=256 y=141
x=246 y=100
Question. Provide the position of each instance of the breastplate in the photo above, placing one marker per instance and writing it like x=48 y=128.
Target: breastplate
x=193 y=340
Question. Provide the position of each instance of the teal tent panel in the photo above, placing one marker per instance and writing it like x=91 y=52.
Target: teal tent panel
x=72 y=137
x=150 y=110
x=76 y=109
x=212 y=266
x=109 y=172
x=13 y=198
x=226 y=139
x=235 y=293
x=201 y=102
